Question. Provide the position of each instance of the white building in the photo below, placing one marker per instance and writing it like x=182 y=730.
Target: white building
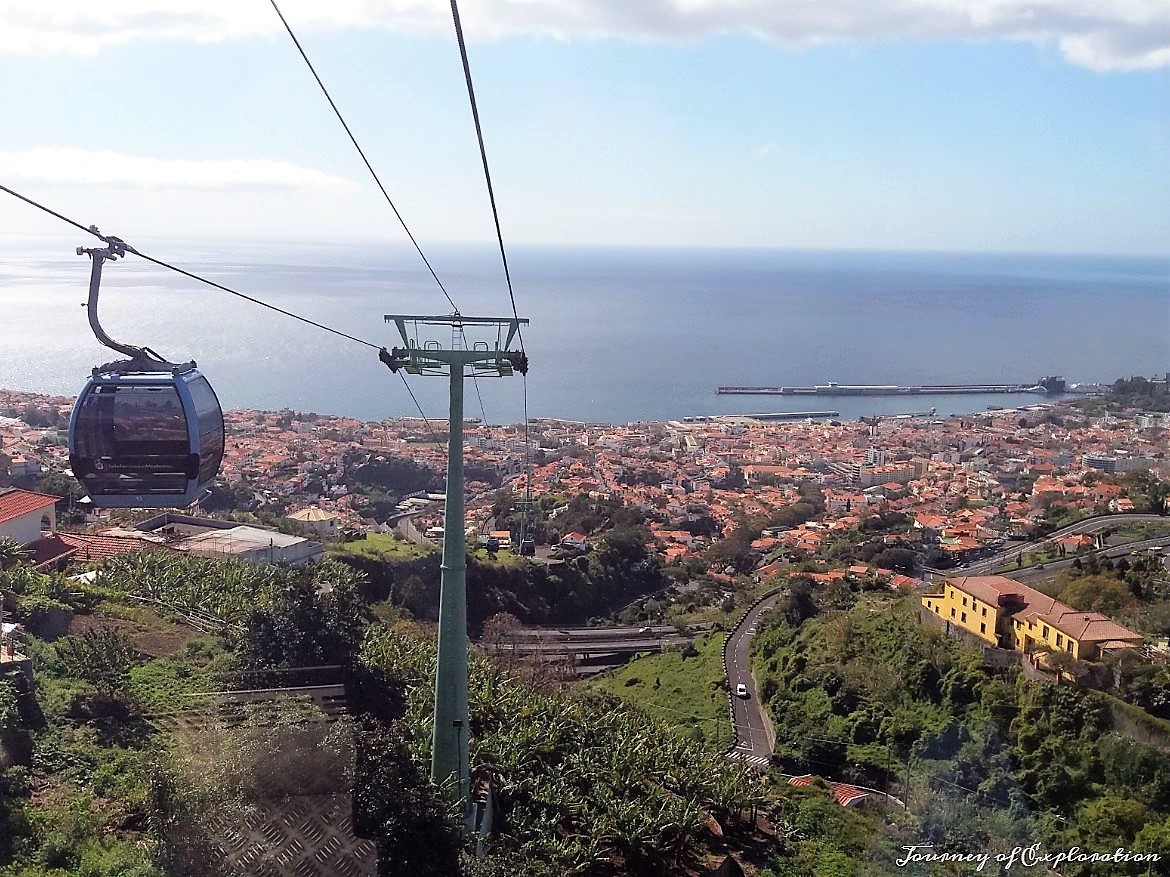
x=24 y=514
x=254 y=545
x=1148 y=419
x=575 y=541
x=1113 y=463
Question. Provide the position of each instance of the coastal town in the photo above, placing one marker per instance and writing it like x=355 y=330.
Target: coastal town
x=957 y=488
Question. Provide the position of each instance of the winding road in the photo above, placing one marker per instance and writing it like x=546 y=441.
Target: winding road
x=987 y=566
x=751 y=737
x=1045 y=571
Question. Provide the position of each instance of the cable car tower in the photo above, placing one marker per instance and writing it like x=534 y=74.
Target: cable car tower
x=449 y=749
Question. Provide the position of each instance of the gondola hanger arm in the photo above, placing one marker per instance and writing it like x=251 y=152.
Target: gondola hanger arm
x=115 y=248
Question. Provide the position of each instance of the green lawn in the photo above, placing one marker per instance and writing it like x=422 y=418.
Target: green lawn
x=386 y=546
x=381 y=546
x=1139 y=531
x=166 y=685
x=688 y=693
x=502 y=557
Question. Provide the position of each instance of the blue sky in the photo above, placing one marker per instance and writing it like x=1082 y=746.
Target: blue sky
x=696 y=123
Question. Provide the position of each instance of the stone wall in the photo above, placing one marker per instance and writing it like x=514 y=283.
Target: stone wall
x=952 y=630
x=1138 y=730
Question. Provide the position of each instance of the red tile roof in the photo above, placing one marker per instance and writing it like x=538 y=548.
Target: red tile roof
x=901 y=581
x=49 y=550
x=1090 y=627
x=766 y=572
x=990 y=589
x=89 y=547
x=18 y=503
x=844 y=794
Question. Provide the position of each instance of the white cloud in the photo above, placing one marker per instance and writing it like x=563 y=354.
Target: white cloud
x=1099 y=34
x=96 y=168
x=767 y=149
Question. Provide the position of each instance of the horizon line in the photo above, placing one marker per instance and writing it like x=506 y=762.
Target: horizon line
x=301 y=239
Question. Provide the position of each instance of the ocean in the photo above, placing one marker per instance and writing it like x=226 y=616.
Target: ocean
x=616 y=334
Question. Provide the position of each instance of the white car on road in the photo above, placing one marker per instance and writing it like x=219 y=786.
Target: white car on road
x=741 y=690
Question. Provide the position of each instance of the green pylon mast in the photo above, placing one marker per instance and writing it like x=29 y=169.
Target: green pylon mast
x=449 y=758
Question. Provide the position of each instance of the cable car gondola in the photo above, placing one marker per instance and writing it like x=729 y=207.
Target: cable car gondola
x=146 y=438
x=144 y=432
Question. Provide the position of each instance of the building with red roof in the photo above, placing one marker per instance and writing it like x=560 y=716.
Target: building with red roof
x=843 y=794
x=576 y=541
x=56 y=550
x=50 y=552
x=1004 y=612
x=24 y=514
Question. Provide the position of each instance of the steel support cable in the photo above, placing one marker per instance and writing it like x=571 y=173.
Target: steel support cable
x=162 y=264
x=365 y=160
x=430 y=429
x=478 y=395
x=487 y=175
x=483 y=157
x=377 y=180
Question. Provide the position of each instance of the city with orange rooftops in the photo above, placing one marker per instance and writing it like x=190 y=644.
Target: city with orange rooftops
x=960 y=486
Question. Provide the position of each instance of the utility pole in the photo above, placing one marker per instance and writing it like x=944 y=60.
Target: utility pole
x=906 y=794
x=449 y=743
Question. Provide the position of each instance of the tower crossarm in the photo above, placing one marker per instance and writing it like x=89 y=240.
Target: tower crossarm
x=485 y=357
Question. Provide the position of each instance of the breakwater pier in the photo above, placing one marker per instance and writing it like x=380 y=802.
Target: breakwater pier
x=1047 y=385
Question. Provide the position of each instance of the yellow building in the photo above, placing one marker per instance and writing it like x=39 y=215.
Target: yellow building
x=1003 y=612
x=973 y=604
